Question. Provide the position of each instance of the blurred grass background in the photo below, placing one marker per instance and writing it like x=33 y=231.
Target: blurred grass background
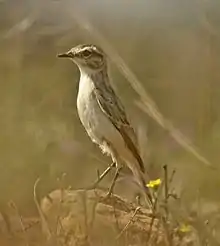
x=172 y=46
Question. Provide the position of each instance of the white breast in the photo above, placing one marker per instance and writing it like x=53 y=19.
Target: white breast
x=90 y=114
x=85 y=100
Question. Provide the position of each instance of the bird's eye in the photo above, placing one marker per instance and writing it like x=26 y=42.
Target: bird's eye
x=87 y=53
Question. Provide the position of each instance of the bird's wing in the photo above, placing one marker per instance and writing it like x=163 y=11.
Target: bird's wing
x=114 y=110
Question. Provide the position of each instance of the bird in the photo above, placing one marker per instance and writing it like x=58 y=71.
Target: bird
x=102 y=113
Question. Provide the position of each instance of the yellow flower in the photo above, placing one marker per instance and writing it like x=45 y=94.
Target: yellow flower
x=154 y=183
x=184 y=228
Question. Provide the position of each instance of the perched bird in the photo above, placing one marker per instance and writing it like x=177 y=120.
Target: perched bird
x=102 y=113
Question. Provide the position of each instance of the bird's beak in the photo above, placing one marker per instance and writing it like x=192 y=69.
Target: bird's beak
x=65 y=55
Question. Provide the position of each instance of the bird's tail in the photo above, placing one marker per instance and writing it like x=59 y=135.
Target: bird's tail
x=140 y=179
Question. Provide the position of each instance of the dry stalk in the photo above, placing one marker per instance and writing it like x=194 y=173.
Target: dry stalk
x=44 y=222
x=84 y=197
x=154 y=208
x=13 y=205
x=128 y=224
x=61 y=187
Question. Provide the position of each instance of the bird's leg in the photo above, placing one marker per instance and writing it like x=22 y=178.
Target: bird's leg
x=115 y=158
x=100 y=177
x=110 y=191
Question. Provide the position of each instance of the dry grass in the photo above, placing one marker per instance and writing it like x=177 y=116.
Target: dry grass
x=87 y=217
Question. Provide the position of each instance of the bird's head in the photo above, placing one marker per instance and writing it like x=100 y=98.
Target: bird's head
x=88 y=57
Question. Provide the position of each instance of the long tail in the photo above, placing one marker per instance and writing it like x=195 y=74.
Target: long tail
x=139 y=177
